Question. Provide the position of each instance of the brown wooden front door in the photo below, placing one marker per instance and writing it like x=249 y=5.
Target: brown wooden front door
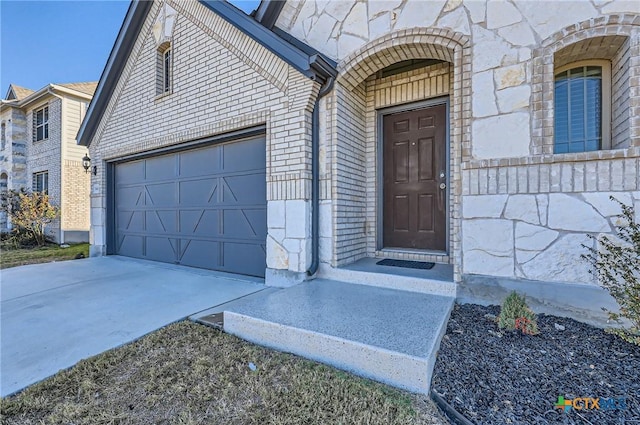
x=414 y=187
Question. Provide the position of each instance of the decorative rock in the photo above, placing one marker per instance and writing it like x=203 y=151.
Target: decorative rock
x=543 y=204
x=339 y=9
x=456 y=20
x=491 y=317
x=488 y=247
x=531 y=240
x=569 y=213
x=546 y=20
x=622 y=6
x=495 y=49
x=605 y=206
x=558 y=327
x=511 y=141
x=415 y=14
x=64 y=245
x=519 y=34
x=523 y=208
x=482 y=97
x=509 y=76
x=501 y=13
x=477 y=10
x=483 y=206
x=513 y=98
x=356 y=22
x=277 y=256
x=561 y=262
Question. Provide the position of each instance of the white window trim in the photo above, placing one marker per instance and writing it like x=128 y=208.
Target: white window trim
x=166 y=70
x=44 y=123
x=35 y=179
x=606 y=94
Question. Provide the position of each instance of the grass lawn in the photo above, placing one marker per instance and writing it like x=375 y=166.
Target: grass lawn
x=187 y=373
x=45 y=254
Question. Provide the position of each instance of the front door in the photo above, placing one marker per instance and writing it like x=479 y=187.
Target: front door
x=414 y=186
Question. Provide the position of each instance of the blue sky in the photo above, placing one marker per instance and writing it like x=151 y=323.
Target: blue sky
x=44 y=42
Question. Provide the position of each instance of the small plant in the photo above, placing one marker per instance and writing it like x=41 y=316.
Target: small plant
x=29 y=213
x=515 y=314
x=616 y=265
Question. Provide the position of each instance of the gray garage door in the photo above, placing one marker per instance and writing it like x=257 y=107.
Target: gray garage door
x=202 y=207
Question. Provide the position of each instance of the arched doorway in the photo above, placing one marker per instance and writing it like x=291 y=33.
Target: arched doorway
x=402 y=116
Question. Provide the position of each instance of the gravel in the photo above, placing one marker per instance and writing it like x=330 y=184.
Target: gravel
x=492 y=376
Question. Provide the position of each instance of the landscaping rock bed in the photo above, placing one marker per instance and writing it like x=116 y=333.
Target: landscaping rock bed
x=501 y=377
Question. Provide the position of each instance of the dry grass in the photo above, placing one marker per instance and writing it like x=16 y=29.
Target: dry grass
x=191 y=374
x=45 y=254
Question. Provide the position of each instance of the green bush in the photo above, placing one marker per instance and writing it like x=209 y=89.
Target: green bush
x=515 y=314
x=616 y=265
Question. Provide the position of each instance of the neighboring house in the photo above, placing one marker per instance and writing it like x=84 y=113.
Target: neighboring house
x=483 y=135
x=39 y=152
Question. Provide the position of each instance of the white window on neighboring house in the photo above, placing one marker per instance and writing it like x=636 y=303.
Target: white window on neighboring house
x=41 y=124
x=582 y=107
x=41 y=182
x=166 y=60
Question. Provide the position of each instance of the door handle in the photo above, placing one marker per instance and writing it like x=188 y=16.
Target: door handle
x=443 y=186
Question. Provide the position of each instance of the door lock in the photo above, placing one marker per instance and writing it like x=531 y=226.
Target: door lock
x=443 y=186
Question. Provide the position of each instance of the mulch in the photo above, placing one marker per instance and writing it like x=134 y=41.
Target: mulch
x=491 y=376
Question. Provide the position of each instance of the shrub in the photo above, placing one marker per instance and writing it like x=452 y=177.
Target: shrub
x=616 y=265
x=515 y=314
x=29 y=213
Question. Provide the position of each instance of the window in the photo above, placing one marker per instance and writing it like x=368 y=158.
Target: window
x=3 y=136
x=582 y=107
x=163 y=69
x=41 y=124
x=41 y=182
x=167 y=69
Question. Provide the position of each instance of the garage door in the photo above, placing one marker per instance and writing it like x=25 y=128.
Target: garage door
x=202 y=207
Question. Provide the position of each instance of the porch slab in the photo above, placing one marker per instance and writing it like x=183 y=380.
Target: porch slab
x=437 y=281
x=384 y=334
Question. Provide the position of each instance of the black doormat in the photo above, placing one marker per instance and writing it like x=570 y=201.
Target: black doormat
x=407 y=264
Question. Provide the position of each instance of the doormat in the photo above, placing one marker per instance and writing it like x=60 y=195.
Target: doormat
x=407 y=264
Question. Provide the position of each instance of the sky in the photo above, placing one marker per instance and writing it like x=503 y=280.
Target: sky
x=44 y=42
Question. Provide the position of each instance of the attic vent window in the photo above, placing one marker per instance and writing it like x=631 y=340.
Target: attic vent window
x=164 y=67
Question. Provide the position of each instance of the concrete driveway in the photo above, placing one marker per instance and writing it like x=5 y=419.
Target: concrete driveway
x=55 y=314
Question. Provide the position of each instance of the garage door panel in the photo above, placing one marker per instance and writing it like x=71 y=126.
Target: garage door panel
x=201 y=253
x=161 y=249
x=130 y=172
x=161 y=194
x=204 y=207
x=244 y=189
x=236 y=255
x=160 y=168
x=198 y=192
x=200 y=162
x=161 y=222
x=247 y=155
x=238 y=224
x=131 y=246
x=131 y=221
x=129 y=197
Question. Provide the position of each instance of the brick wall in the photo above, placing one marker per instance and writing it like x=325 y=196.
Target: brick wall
x=222 y=81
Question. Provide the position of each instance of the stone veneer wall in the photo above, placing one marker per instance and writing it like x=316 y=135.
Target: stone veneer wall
x=511 y=186
x=207 y=99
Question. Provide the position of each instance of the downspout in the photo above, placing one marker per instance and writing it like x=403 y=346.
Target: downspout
x=315 y=177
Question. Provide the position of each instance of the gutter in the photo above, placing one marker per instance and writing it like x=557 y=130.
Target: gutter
x=315 y=176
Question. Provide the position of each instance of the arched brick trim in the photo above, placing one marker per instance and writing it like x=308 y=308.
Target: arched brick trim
x=543 y=75
x=415 y=43
x=427 y=43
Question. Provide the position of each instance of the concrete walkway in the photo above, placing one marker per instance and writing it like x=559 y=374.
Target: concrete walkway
x=55 y=314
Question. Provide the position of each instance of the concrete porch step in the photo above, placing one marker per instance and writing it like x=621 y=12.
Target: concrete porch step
x=384 y=334
x=437 y=281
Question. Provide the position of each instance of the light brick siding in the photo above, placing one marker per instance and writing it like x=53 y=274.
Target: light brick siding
x=222 y=81
x=620 y=102
x=75 y=187
x=45 y=155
